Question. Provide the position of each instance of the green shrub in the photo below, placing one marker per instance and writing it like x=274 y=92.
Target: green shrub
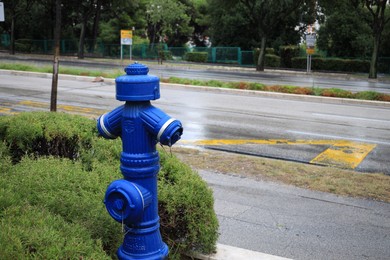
x=368 y=95
x=272 y=61
x=336 y=92
x=41 y=133
x=70 y=192
x=186 y=208
x=286 y=54
x=29 y=232
x=196 y=56
x=23 y=45
x=165 y=55
x=332 y=64
x=270 y=51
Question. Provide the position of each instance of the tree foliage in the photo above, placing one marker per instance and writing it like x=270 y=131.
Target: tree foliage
x=356 y=33
x=348 y=28
x=264 y=20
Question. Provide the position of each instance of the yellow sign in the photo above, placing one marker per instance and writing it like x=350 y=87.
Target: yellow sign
x=126 y=34
x=310 y=51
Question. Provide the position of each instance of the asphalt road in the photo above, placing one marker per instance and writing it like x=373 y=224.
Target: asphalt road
x=320 y=131
x=226 y=73
x=256 y=215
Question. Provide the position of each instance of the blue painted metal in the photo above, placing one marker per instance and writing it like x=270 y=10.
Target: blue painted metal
x=133 y=201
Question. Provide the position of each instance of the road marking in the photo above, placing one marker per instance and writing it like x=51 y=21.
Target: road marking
x=344 y=154
x=6 y=110
x=338 y=137
x=350 y=117
x=64 y=108
x=341 y=153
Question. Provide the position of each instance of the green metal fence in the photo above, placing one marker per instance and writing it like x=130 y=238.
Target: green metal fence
x=225 y=55
x=230 y=55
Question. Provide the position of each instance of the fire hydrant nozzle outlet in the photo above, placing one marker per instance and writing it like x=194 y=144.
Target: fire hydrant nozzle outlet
x=125 y=201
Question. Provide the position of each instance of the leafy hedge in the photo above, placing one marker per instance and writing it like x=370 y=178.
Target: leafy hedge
x=54 y=170
x=196 y=56
x=271 y=60
x=287 y=53
x=332 y=64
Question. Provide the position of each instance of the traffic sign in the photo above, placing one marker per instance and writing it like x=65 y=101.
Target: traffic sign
x=1 y=12
x=126 y=37
x=310 y=40
x=127 y=34
x=310 y=51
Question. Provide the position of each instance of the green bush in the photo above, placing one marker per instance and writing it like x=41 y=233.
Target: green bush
x=332 y=64
x=271 y=60
x=286 y=54
x=270 y=51
x=165 y=55
x=69 y=193
x=196 y=56
x=23 y=45
x=41 y=133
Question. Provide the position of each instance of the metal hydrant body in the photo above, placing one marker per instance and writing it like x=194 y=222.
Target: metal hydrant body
x=133 y=200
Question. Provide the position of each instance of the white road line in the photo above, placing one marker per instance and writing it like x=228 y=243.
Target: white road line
x=351 y=117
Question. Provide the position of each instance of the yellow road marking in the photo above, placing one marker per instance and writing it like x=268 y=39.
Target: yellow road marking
x=344 y=154
x=341 y=153
x=66 y=108
x=6 y=110
x=34 y=104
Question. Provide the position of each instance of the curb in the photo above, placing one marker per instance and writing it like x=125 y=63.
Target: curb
x=234 y=253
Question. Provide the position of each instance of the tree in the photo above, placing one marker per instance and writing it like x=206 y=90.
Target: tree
x=166 y=18
x=118 y=15
x=378 y=21
x=265 y=18
x=15 y=9
x=344 y=34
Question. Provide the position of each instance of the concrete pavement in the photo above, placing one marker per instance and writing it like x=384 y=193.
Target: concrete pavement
x=286 y=221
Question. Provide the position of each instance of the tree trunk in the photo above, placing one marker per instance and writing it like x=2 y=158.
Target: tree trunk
x=260 y=60
x=12 y=46
x=57 y=36
x=374 y=58
x=96 y=21
x=80 y=53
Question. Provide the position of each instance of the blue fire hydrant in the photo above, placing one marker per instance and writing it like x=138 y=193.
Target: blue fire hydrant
x=133 y=200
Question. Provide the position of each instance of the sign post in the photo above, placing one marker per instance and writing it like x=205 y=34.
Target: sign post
x=2 y=12
x=126 y=39
x=310 y=45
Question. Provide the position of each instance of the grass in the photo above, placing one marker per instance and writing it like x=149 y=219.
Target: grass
x=326 y=179
x=315 y=91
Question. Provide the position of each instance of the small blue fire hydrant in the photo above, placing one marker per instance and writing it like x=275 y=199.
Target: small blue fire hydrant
x=133 y=200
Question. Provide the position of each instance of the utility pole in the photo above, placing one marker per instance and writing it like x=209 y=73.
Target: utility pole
x=57 y=36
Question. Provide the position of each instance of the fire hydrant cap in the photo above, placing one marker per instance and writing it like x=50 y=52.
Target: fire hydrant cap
x=137 y=85
x=136 y=69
